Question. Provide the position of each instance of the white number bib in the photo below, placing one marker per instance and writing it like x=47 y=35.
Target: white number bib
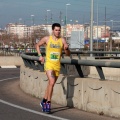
x=54 y=56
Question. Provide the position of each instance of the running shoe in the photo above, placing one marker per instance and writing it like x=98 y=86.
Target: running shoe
x=43 y=105
x=48 y=107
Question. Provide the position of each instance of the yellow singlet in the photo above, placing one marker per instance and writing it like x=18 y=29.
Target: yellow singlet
x=53 y=55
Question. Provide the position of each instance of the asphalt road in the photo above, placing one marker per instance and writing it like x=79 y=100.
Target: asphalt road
x=17 y=105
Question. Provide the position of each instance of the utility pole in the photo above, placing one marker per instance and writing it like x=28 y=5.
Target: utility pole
x=97 y=24
x=91 y=28
x=66 y=18
x=105 y=27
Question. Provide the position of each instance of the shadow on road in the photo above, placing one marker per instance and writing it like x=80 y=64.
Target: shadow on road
x=54 y=110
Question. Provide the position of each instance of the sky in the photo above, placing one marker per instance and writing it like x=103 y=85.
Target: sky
x=20 y=11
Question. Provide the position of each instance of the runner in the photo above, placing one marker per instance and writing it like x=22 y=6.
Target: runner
x=54 y=46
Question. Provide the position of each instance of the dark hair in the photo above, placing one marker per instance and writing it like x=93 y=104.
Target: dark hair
x=55 y=25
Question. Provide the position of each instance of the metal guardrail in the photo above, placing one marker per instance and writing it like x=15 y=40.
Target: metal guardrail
x=96 y=54
x=31 y=60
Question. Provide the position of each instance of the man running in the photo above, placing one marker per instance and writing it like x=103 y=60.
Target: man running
x=54 y=46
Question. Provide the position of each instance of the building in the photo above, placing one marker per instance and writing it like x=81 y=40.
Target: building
x=99 y=32
x=74 y=27
x=23 y=31
x=18 y=30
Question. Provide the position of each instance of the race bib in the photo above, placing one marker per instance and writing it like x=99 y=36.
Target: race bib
x=54 y=56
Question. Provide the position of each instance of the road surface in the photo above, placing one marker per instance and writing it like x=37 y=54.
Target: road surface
x=17 y=105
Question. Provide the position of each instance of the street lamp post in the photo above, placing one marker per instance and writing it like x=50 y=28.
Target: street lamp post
x=76 y=21
x=19 y=27
x=112 y=25
x=20 y=20
x=32 y=24
x=71 y=22
x=32 y=19
x=66 y=18
x=47 y=17
x=111 y=36
x=62 y=21
x=47 y=20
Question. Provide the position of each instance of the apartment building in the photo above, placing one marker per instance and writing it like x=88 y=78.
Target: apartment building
x=99 y=32
x=74 y=27
x=23 y=31
x=19 y=30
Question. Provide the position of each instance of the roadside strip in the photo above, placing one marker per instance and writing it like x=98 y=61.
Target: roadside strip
x=8 y=79
x=32 y=111
x=10 y=66
x=26 y=109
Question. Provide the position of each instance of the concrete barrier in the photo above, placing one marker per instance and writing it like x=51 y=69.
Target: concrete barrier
x=110 y=73
x=11 y=60
x=88 y=94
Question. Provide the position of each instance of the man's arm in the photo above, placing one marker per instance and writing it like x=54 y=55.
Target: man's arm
x=40 y=43
x=65 y=47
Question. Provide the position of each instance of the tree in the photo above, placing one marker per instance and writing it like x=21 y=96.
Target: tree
x=38 y=33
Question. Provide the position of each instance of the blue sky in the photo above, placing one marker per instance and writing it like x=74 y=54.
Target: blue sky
x=12 y=10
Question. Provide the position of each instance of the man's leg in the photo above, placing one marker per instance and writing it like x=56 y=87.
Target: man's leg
x=49 y=90
x=46 y=91
x=44 y=101
x=51 y=82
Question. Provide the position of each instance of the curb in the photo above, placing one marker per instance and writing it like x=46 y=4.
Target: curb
x=10 y=66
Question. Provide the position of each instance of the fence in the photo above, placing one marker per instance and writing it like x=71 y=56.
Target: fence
x=31 y=60
x=15 y=52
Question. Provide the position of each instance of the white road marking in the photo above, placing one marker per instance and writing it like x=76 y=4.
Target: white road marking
x=8 y=79
x=32 y=111
x=10 y=66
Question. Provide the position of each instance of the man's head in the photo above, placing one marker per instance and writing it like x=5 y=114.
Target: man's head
x=56 y=28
